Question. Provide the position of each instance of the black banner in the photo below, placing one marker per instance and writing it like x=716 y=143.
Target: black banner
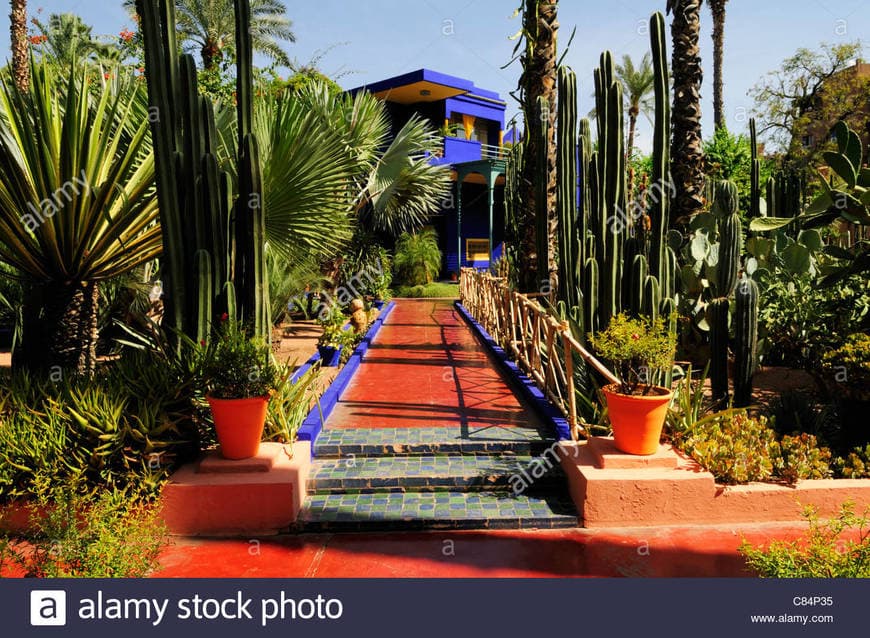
x=436 y=608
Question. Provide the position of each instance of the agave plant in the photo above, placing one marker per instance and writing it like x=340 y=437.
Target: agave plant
x=77 y=204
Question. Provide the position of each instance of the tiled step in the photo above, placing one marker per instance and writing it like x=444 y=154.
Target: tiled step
x=344 y=442
x=432 y=473
x=435 y=510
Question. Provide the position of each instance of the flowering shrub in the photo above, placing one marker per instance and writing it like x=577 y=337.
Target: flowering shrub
x=638 y=348
x=856 y=464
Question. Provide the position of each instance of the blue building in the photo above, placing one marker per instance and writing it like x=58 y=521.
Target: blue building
x=470 y=224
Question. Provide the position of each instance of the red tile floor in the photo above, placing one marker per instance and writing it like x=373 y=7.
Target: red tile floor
x=659 y=552
x=425 y=369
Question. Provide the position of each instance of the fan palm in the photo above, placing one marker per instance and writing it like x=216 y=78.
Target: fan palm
x=77 y=204
x=687 y=157
x=638 y=84
x=209 y=25
x=395 y=188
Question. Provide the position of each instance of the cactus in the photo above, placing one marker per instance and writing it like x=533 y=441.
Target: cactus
x=566 y=193
x=745 y=340
x=202 y=268
x=755 y=174
x=542 y=221
x=717 y=318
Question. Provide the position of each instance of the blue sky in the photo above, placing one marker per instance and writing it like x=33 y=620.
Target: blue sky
x=368 y=40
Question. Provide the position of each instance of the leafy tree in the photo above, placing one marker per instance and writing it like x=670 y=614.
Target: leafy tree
x=729 y=156
x=687 y=165
x=209 y=27
x=418 y=258
x=810 y=92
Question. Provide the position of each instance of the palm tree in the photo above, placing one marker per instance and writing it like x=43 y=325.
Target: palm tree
x=418 y=258
x=717 y=8
x=209 y=25
x=18 y=39
x=638 y=84
x=68 y=41
x=77 y=204
x=538 y=80
x=687 y=157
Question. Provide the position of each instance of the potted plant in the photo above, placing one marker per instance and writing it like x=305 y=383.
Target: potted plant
x=239 y=377
x=333 y=338
x=641 y=350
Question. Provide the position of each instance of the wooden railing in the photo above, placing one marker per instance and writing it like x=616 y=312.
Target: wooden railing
x=542 y=346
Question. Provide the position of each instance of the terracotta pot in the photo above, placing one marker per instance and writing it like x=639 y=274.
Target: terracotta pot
x=239 y=424
x=637 y=420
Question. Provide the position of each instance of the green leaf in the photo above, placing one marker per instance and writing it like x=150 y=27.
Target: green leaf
x=842 y=167
x=820 y=204
x=853 y=149
x=812 y=239
x=864 y=178
x=766 y=224
x=797 y=259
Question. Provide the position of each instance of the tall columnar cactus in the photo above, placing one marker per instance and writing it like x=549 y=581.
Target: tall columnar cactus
x=566 y=186
x=726 y=273
x=542 y=215
x=207 y=253
x=619 y=259
x=755 y=174
x=745 y=340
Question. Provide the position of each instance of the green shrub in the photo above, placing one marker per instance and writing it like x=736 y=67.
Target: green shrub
x=856 y=464
x=429 y=291
x=839 y=548
x=418 y=259
x=735 y=448
x=110 y=535
x=639 y=348
x=236 y=365
x=848 y=367
x=801 y=457
x=290 y=405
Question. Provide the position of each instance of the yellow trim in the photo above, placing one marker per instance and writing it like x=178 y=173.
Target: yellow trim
x=411 y=93
x=468 y=124
x=500 y=139
x=476 y=250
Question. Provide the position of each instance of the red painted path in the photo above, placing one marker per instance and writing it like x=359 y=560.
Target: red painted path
x=426 y=369
x=658 y=552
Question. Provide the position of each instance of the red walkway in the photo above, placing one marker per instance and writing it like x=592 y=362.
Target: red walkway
x=425 y=369
x=660 y=552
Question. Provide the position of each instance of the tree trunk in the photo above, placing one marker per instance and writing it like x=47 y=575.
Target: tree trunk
x=717 y=8
x=633 y=112
x=538 y=80
x=687 y=157
x=19 y=44
x=211 y=55
x=59 y=332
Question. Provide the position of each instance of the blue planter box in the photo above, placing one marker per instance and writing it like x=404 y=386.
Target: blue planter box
x=378 y=303
x=329 y=356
